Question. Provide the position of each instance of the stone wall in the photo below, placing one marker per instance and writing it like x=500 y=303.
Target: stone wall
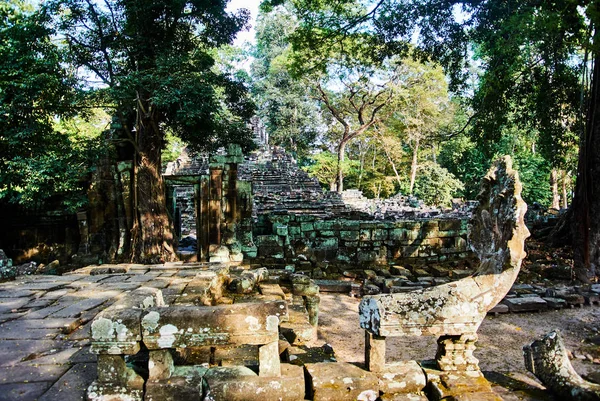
x=295 y=238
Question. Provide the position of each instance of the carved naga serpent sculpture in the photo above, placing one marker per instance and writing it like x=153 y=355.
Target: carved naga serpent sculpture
x=497 y=233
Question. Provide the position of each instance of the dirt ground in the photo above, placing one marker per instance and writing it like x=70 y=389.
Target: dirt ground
x=499 y=348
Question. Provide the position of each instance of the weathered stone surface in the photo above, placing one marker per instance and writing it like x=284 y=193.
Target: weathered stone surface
x=185 y=384
x=242 y=384
x=112 y=369
x=336 y=381
x=500 y=308
x=497 y=235
x=184 y=326
x=160 y=365
x=23 y=391
x=547 y=359
x=72 y=385
x=555 y=303
x=297 y=329
x=404 y=397
x=467 y=386
x=402 y=377
x=527 y=304
x=117 y=332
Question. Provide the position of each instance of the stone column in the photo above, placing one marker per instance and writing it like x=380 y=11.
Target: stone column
x=312 y=307
x=374 y=352
x=455 y=353
x=202 y=224
x=214 y=206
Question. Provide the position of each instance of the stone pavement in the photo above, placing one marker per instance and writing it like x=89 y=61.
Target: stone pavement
x=45 y=323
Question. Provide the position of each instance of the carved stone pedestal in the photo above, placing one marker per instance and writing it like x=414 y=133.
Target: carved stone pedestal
x=455 y=353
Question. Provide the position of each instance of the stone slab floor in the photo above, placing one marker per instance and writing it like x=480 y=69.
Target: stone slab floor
x=45 y=320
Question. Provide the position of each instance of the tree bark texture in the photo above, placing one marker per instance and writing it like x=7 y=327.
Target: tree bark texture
x=413 y=166
x=152 y=232
x=586 y=202
x=341 y=158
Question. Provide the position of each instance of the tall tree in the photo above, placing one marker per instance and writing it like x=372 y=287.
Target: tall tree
x=290 y=114
x=356 y=98
x=155 y=63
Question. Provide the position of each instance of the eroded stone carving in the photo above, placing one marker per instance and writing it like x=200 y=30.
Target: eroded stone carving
x=455 y=310
x=547 y=359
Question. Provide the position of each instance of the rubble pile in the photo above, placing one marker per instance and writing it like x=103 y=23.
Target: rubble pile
x=278 y=185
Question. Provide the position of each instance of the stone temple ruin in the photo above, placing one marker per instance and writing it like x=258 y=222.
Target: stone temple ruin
x=227 y=336
x=264 y=209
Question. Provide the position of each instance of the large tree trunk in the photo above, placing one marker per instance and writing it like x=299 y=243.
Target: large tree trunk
x=554 y=186
x=341 y=158
x=586 y=202
x=152 y=233
x=413 y=166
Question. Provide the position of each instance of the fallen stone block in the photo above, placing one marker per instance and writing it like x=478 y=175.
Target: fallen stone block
x=555 y=303
x=573 y=299
x=465 y=386
x=337 y=381
x=500 y=308
x=237 y=324
x=401 y=377
x=185 y=384
x=334 y=286
x=529 y=304
x=242 y=384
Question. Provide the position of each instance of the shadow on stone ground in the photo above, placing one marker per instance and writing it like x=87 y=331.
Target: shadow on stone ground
x=44 y=330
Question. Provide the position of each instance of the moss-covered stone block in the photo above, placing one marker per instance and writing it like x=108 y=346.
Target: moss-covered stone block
x=307 y=226
x=364 y=235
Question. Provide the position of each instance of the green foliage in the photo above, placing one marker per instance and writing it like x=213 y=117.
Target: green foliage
x=158 y=58
x=435 y=185
x=284 y=103
x=462 y=157
x=172 y=149
x=39 y=161
x=323 y=166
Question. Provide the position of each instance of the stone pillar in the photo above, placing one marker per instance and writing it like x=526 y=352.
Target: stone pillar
x=455 y=353
x=312 y=307
x=214 y=205
x=202 y=213
x=374 y=352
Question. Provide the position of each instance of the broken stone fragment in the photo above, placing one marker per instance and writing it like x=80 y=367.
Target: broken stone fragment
x=242 y=384
x=547 y=359
x=401 y=378
x=113 y=369
x=338 y=381
x=465 y=386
